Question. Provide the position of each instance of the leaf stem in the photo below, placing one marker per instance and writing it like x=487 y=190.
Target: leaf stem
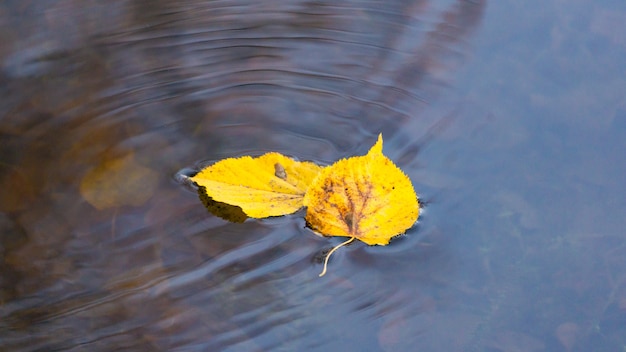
x=331 y=252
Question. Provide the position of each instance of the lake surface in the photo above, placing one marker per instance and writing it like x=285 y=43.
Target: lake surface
x=509 y=117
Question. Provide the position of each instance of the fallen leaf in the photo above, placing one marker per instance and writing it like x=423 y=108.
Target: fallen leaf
x=365 y=197
x=118 y=181
x=269 y=185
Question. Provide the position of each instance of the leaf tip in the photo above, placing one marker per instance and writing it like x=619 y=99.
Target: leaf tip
x=378 y=147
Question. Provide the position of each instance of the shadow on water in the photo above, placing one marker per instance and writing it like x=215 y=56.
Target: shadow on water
x=101 y=248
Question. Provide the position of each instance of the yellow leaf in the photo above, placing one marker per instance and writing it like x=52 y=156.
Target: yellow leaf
x=365 y=197
x=269 y=185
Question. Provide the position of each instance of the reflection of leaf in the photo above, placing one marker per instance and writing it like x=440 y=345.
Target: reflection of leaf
x=365 y=197
x=118 y=182
x=225 y=211
x=269 y=185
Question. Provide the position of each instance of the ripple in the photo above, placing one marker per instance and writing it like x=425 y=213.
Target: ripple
x=176 y=84
x=208 y=52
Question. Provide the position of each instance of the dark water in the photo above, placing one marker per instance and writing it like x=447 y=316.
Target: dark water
x=509 y=117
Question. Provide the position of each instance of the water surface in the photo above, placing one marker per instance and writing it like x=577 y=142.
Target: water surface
x=509 y=118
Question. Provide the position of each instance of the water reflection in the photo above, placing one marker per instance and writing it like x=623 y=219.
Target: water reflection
x=102 y=249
